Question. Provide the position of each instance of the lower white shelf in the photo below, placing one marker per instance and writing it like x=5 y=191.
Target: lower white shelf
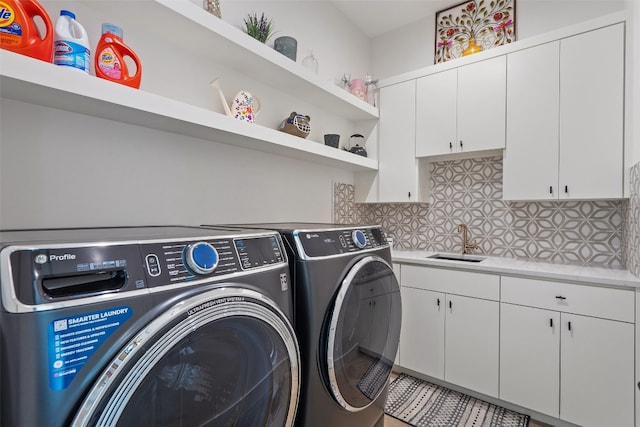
x=29 y=80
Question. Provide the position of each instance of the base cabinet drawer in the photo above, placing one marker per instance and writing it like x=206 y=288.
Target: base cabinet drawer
x=608 y=303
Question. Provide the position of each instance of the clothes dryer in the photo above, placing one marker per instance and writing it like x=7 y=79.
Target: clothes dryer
x=150 y=326
x=347 y=316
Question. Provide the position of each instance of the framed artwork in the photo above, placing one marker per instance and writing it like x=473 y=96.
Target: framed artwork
x=472 y=26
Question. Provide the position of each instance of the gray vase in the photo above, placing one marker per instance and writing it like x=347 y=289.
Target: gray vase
x=288 y=46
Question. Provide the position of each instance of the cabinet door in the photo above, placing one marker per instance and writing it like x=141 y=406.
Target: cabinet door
x=436 y=114
x=531 y=155
x=471 y=343
x=530 y=358
x=398 y=167
x=596 y=364
x=591 y=114
x=422 y=333
x=481 y=105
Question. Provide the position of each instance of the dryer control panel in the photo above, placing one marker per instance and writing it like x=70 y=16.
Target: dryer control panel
x=175 y=262
x=323 y=243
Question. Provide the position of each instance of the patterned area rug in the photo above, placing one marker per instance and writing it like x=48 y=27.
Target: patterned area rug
x=423 y=404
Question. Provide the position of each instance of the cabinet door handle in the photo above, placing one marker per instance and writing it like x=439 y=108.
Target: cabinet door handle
x=450 y=304
x=438 y=302
x=551 y=189
x=461 y=144
x=560 y=297
x=551 y=322
x=450 y=146
x=569 y=325
x=566 y=189
x=409 y=194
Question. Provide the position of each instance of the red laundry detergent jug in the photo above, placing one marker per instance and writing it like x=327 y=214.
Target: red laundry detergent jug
x=19 y=32
x=109 y=58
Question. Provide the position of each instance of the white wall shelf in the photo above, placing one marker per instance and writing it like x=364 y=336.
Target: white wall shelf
x=37 y=82
x=196 y=30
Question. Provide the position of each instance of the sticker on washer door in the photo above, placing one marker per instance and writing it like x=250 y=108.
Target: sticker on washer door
x=72 y=341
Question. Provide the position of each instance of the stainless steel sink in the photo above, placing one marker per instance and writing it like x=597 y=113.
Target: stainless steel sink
x=457 y=257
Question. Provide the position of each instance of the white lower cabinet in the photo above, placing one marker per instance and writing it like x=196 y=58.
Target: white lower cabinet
x=422 y=332
x=596 y=366
x=530 y=358
x=562 y=349
x=575 y=367
x=471 y=343
x=453 y=337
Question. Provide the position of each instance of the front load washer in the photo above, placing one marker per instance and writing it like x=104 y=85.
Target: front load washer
x=146 y=326
x=347 y=316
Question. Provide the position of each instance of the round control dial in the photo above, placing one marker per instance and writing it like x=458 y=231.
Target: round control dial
x=201 y=257
x=359 y=238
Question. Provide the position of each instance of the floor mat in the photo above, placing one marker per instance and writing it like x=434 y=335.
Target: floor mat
x=423 y=404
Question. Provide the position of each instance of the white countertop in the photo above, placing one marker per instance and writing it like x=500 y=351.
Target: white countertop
x=519 y=267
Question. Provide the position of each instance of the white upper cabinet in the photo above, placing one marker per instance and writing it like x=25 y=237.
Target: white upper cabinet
x=436 y=113
x=565 y=109
x=533 y=102
x=399 y=175
x=481 y=105
x=462 y=109
x=591 y=114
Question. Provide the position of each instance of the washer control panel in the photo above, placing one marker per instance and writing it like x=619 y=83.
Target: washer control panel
x=175 y=262
x=321 y=243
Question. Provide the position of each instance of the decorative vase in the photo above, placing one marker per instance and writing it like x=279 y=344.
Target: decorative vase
x=288 y=46
x=310 y=62
x=213 y=7
x=472 y=47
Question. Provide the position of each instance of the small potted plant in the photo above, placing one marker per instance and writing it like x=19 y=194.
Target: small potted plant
x=258 y=28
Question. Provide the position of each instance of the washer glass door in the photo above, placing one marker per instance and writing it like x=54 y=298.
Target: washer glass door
x=224 y=358
x=363 y=333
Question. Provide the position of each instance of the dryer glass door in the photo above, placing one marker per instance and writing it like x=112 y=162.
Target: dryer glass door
x=223 y=358
x=363 y=333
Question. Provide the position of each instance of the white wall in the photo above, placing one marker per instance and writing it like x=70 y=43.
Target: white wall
x=65 y=169
x=412 y=47
x=338 y=46
x=75 y=170
x=634 y=7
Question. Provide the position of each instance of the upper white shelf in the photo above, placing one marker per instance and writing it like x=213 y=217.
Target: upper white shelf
x=37 y=82
x=195 y=29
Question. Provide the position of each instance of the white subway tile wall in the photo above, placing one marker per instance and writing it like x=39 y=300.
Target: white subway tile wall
x=470 y=191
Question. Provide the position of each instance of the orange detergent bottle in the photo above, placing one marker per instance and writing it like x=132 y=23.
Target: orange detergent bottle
x=110 y=55
x=19 y=32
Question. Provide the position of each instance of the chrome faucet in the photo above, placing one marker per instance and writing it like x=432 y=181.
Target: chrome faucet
x=467 y=247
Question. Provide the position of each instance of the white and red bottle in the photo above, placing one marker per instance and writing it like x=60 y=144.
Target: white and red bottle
x=71 y=43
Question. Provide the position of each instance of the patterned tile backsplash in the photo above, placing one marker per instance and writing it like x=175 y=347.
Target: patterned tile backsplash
x=469 y=191
x=631 y=233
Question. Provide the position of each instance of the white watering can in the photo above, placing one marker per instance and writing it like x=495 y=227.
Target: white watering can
x=243 y=107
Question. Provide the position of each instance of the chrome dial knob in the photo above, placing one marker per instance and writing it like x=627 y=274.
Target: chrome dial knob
x=201 y=257
x=359 y=238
